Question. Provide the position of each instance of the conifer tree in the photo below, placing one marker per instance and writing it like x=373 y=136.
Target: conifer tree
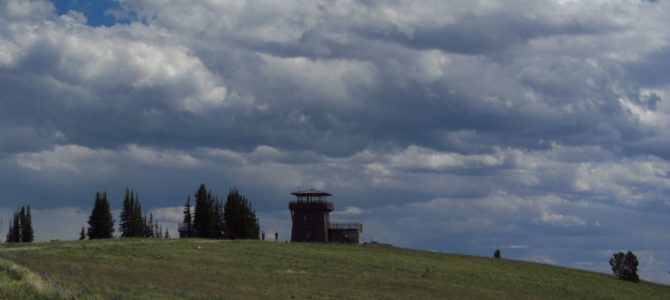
x=156 y=230
x=132 y=223
x=188 y=219
x=22 y=222
x=16 y=228
x=82 y=233
x=149 y=226
x=21 y=227
x=125 y=220
x=240 y=218
x=204 y=218
x=11 y=237
x=219 y=224
x=139 y=221
x=146 y=228
x=27 y=233
x=100 y=222
x=167 y=233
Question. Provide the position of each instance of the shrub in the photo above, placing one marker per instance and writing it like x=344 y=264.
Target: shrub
x=624 y=266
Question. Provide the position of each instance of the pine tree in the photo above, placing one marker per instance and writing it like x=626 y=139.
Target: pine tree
x=139 y=221
x=132 y=223
x=150 y=226
x=10 y=232
x=82 y=233
x=167 y=233
x=146 y=227
x=16 y=228
x=204 y=219
x=156 y=231
x=27 y=233
x=100 y=222
x=188 y=219
x=219 y=224
x=22 y=222
x=20 y=227
x=240 y=218
x=125 y=220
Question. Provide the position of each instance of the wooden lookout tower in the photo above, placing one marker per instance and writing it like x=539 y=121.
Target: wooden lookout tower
x=310 y=216
x=311 y=221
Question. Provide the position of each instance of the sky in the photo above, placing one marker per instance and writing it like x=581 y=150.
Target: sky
x=536 y=127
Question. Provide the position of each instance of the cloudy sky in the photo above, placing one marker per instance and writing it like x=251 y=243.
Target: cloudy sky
x=537 y=127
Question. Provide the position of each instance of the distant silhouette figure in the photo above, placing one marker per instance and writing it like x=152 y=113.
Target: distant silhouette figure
x=262 y=235
x=276 y=236
x=497 y=254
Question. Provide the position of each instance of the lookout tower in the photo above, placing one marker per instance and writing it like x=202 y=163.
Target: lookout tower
x=310 y=216
x=311 y=221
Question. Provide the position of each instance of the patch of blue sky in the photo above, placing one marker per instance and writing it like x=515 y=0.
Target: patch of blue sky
x=97 y=12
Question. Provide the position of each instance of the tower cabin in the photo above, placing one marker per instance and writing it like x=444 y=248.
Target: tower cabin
x=311 y=220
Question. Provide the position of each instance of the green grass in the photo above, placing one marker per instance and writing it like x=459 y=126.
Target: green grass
x=182 y=269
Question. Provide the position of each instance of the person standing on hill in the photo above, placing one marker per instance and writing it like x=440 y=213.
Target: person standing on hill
x=276 y=236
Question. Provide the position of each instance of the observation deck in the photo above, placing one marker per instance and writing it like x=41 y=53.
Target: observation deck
x=311 y=200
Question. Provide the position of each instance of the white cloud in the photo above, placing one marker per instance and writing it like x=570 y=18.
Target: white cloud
x=335 y=80
x=27 y=9
x=624 y=180
x=161 y=158
x=62 y=158
x=168 y=214
x=559 y=219
x=349 y=210
x=83 y=160
x=414 y=157
x=112 y=62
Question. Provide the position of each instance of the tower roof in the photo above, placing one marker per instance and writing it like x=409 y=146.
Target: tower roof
x=310 y=192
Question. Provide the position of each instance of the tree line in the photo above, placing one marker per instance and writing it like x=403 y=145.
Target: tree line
x=21 y=227
x=212 y=218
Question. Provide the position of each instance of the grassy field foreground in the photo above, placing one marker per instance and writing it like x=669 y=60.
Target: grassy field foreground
x=178 y=269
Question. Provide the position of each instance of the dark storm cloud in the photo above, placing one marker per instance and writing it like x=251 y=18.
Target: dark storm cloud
x=456 y=126
x=651 y=71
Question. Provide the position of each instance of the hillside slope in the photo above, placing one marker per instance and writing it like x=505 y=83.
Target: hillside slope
x=178 y=269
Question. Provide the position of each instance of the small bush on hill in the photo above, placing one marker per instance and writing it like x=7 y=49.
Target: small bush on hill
x=624 y=266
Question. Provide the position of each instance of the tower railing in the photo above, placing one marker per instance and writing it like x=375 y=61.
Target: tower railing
x=351 y=226
x=310 y=199
x=311 y=205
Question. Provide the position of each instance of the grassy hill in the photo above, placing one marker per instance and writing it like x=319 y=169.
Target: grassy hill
x=178 y=269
